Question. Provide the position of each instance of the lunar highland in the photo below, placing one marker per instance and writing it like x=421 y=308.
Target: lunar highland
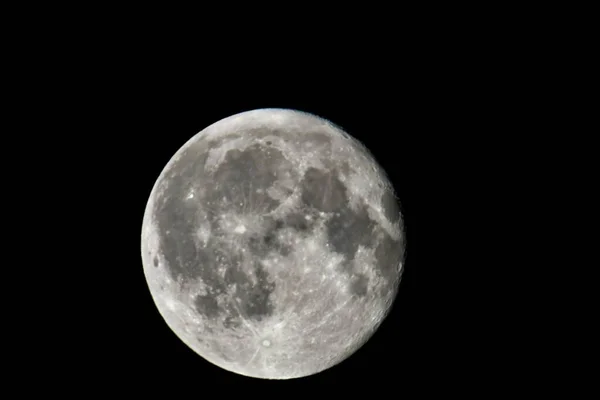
x=273 y=244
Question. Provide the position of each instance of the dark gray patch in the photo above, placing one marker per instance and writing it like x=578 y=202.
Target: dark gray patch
x=298 y=222
x=359 y=285
x=319 y=142
x=349 y=229
x=238 y=177
x=206 y=306
x=267 y=241
x=323 y=190
x=344 y=168
x=179 y=249
x=259 y=245
x=184 y=258
x=232 y=320
x=390 y=206
x=155 y=261
x=270 y=242
x=255 y=301
x=218 y=142
x=177 y=216
x=284 y=249
x=185 y=174
x=234 y=186
x=235 y=275
x=389 y=253
x=259 y=133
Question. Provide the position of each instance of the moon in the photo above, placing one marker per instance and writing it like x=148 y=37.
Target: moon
x=273 y=244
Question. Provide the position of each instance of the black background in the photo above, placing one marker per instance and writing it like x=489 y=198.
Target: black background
x=444 y=97
x=126 y=111
x=158 y=117
x=149 y=342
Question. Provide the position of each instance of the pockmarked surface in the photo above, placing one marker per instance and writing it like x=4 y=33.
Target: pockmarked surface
x=272 y=244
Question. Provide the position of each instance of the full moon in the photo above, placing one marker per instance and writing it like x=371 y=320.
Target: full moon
x=273 y=244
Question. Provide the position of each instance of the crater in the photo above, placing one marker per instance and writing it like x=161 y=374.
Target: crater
x=155 y=261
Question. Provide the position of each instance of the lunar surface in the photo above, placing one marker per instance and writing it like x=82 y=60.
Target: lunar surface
x=272 y=244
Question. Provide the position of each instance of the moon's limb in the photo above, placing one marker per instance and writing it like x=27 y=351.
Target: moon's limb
x=272 y=244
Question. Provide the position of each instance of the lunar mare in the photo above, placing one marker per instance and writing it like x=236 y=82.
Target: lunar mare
x=272 y=244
